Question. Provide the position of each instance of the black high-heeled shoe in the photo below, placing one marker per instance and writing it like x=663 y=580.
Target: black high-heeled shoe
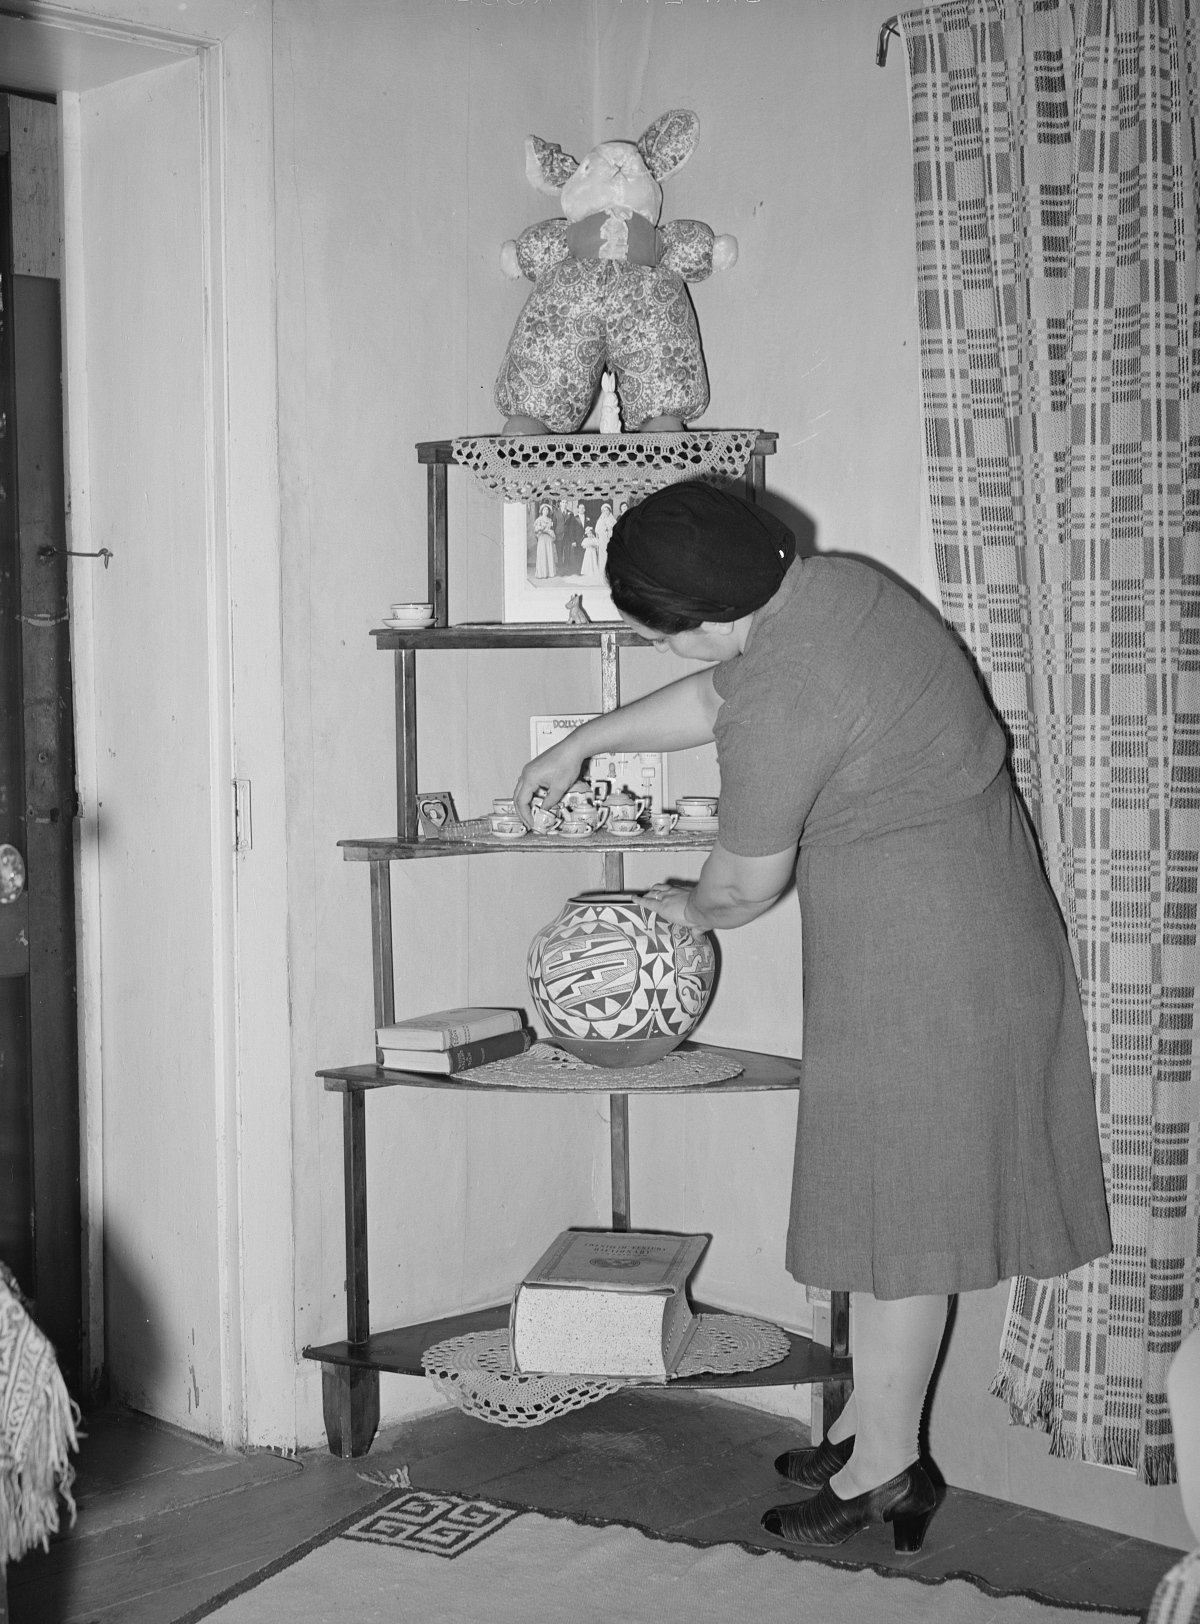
x=812 y=1468
x=907 y=1501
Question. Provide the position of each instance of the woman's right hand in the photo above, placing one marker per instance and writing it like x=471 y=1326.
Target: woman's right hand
x=551 y=774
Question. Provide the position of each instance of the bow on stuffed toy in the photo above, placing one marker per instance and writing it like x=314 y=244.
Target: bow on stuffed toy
x=609 y=288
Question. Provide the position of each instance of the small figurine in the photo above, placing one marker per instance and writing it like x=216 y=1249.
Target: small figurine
x=609 y=288
x=577 y=615
x=610 y=406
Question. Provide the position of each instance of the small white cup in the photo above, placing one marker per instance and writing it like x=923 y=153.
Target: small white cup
x=662 y=823
x=575 y=827
x=504 y=807
x=545 y=822
x=506 y=825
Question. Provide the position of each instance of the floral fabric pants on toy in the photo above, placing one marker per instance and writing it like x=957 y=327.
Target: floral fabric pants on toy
x=586 y=315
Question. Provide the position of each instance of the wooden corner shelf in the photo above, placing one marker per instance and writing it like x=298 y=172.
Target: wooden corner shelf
x=390 y=849
x=496 y=634
x=350 y=1368
x=400 y=1350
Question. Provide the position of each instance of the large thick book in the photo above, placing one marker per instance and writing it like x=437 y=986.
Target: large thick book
x=448 y=1028
x=463 y=1057
x=606 y=1304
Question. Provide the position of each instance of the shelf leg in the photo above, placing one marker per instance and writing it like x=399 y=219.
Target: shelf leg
x=406 y=744
x=438 y=533
x=618 y=1128
x=350 y=1397
x=756 y=477
x=831 y=1397
x=381 y=943
x=350 y=1404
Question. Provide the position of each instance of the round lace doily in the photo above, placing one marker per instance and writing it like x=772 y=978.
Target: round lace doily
x=601 y=464
x=726 y=1343
x=475 y=1371
x=547 y=1068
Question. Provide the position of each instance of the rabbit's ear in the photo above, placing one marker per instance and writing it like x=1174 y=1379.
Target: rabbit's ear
x=670 y=142
x=547 y=167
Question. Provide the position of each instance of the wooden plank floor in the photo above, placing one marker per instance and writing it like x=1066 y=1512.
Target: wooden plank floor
x=167 y=1522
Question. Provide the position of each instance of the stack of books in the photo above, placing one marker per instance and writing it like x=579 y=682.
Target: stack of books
x=607 y=1304
x=451 y=1040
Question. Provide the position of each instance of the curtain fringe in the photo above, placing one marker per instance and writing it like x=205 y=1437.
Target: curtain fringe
x=1031 y=1403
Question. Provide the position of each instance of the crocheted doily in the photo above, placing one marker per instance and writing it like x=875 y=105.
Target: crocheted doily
x=545 y=1067
x=475 y=1371
x=600 y=464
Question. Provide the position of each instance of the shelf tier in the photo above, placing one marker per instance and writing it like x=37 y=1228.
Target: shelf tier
x=442 y=451
x=390 y=849
x=497 y=634
x=400 y=1351
x=760 y=1072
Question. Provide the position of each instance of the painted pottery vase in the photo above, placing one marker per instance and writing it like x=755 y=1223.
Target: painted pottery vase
x=616 y=986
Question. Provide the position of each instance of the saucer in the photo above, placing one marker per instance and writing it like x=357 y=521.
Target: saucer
x=509 y=834
x=697 y=825
x=567 y=834
x=409 y=624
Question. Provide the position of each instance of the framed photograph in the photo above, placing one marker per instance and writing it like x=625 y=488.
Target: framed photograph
x=554 y=550
x=641 y=772
x=435 y=809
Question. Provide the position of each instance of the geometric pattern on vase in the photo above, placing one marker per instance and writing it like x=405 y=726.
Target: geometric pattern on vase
x=605 y=970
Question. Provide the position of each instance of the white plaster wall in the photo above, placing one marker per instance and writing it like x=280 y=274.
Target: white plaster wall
x=392 y=203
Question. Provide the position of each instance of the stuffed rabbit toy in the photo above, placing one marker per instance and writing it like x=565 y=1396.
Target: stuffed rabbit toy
x=609 y=288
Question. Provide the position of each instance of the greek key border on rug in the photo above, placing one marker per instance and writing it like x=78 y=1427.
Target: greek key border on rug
x=437 y=1524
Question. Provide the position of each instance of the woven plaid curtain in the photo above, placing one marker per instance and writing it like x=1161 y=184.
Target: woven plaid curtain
x=1056 y=182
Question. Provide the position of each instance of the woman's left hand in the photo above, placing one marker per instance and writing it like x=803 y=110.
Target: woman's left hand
x=668 y=900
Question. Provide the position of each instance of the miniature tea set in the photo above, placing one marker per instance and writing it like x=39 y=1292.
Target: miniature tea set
x=586 y=808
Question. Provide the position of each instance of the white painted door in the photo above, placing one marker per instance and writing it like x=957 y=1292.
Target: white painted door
x=152 y=698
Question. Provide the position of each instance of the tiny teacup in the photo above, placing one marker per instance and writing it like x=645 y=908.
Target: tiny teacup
x=624 y=827
x=504 y=806
x=545 y=822
x=506 y=826
x=575 y=827
x=661 y=823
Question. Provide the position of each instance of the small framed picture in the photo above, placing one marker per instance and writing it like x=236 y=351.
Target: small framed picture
x=435 y=809
x=554 y=551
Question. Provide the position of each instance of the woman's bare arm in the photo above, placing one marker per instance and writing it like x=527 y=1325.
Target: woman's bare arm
x=672 y=718
x=731 y=890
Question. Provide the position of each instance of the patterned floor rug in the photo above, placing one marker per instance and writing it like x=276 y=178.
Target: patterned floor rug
x=444 y=1558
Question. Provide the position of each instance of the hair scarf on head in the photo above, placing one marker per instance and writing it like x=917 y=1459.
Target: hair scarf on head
x=717 y=555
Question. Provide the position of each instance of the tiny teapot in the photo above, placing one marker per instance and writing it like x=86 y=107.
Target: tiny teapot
x=621 y=804
x=579 y=795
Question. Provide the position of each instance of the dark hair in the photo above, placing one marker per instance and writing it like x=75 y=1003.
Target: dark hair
x=651 y=605
x=695 y=552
